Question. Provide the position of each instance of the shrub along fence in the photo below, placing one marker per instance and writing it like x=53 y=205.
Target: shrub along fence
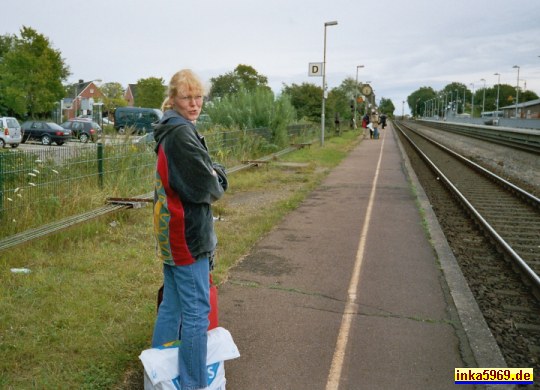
x=45 y=185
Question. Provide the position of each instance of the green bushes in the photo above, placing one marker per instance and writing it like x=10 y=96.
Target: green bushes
x=251 y=110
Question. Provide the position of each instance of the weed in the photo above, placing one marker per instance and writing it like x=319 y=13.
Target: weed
x=87 y=309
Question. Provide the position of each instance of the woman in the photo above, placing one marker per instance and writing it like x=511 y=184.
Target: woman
x=187 y=182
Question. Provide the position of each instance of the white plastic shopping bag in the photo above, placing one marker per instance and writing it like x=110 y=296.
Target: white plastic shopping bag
x=161 y=364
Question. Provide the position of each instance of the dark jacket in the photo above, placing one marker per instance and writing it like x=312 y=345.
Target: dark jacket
x=186 y=184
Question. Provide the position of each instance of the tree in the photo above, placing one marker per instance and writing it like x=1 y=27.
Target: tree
x=525 y=96
x=113 y=96
x=306 y=99
x=31 y=74
x=387 y=107
x=418 y=99
x=453 y=95
x=243 y=77
x=456 y=98
x=350 y=88
x=338 y=105
x=6 y=42
x=150 y=92
x=342 y=98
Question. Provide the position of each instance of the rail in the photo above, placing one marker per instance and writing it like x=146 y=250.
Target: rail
x=523 y=139
x=531 y=275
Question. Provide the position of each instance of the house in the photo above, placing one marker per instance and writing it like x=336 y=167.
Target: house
x=130 y=94
x=82 y=99
x=526 y=110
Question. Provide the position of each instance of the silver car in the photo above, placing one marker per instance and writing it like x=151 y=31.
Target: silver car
x=10 y=132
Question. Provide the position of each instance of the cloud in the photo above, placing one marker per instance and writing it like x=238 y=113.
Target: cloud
x=403 y=45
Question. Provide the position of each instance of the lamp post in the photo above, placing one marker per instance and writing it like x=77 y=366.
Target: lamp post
x=517 y=89
x=356 y=95
x=456 y=109
x=472 y=100
x=484 y=97
x=403 y=110
x=445 y=105
x=326 y=24
x=498 y=87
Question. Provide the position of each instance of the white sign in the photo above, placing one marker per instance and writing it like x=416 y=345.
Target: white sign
x=315 y=69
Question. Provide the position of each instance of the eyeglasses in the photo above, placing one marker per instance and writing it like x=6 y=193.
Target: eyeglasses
x=187 y=99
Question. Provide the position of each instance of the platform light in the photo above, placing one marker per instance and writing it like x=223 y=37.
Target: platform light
x=326 y=24
x=484 y=97
x=498 y=88
x=472 y=100
x=517 y=89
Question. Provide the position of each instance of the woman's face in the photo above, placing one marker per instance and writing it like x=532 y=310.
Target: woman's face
x=188 y=105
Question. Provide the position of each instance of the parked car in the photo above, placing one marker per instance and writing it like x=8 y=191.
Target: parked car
x=83 y=129
x=139 y=119
x=10 y=132
x=46 y=132
x=100 y=121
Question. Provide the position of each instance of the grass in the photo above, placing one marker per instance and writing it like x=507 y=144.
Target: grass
x=86 y=311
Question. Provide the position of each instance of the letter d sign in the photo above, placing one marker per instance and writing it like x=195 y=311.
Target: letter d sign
x=315 y=69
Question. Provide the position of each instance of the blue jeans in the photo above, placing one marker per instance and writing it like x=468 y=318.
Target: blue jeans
x=186 y=302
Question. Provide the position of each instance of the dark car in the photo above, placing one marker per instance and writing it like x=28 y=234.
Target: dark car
x=83 y=129
x=136 y=119
x=46 y=132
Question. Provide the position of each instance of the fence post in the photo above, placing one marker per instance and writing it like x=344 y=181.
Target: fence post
x=100 y=164
x=1 y=184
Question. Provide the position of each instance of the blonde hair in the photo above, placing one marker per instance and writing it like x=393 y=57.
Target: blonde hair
x=185 y=82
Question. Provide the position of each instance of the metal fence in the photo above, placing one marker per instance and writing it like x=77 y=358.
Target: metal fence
x=43 y=185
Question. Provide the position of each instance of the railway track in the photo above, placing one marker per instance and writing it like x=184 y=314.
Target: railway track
x=522 y=139
x=493 y=228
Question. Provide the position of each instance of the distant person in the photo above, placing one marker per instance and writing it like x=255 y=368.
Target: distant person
x=365 y=122
x=383 y=120
x=374 y=120
x=187 y=183
x=337 y=123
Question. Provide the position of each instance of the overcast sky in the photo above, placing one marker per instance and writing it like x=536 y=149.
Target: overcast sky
x=403 y=45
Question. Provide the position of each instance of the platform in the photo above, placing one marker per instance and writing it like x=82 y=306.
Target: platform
x=355 y=289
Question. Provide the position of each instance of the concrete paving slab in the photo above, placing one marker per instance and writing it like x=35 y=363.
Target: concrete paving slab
x=284 y=304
